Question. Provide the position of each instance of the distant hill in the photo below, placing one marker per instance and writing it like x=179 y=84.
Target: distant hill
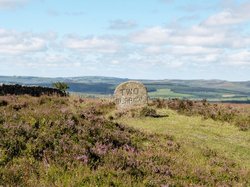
x=214 y=90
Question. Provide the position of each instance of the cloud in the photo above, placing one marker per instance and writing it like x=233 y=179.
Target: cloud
x=12 y=3
x=237 y=58
x=55 y=13
x=16 y=43
x=122 y=24
x=154 y=35
x=198 y=6
x=191 y=37
x=167 y=1
x=232 y=14
x=184 y=55
x=193 y=50
x=154 y=50
x=221 y=39
x=218 y=39
x=91 y=44
x=224 y=18
x=197 y=35
x=115 y=62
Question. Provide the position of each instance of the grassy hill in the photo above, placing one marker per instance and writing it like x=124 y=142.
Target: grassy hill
x=213 y=90
x=73 y=141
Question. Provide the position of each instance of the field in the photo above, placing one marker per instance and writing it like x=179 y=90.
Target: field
x=76 y=141
x=212 y=90
x=167 y=93
x=196 y=134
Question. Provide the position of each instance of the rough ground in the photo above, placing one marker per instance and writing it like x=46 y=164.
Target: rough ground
x=51 y=141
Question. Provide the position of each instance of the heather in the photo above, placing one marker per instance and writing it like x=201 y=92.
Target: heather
x=238 y=115
x=72 y=141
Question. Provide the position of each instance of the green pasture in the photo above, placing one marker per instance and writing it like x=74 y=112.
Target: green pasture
x=196 y=134
x=167 y=93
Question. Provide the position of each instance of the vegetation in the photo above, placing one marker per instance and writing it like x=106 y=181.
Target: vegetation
x=168 y=93
x=72 y=141
x=232 y=114
x=62 y=86
x=212 y=90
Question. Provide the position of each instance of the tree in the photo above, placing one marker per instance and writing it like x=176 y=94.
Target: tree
x=61 y=86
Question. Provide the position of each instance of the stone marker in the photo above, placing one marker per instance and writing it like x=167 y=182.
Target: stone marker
x=131 y=94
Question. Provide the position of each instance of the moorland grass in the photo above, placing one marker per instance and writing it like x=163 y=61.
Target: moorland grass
x=196 y=134
x=72 y=141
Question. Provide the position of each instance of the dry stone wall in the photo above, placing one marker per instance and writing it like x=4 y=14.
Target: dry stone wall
x=30 y=90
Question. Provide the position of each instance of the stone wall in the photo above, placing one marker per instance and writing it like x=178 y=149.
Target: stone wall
x=30 y=90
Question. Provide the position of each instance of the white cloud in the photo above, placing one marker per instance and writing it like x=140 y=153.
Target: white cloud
x=237 y=58
x=193 y=50
x=232 y=14
x=154 y=36
x=197 y=44
x=12 y=3
x=16 y=43
x=92 y=44
x=122 y=24
x=196 y=36
x=56 y=13
x=226 y=17
x=217 y=40
x=195 y=40
x=115 y=62
x=154 y=49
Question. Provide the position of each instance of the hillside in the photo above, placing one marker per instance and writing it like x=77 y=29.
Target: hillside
x=73 y=141
x=213 y=90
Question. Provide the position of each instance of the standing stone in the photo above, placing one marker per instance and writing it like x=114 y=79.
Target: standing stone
x=131 y=94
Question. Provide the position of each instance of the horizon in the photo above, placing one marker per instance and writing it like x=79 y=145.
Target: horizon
x=27 y=76
x=152 y=40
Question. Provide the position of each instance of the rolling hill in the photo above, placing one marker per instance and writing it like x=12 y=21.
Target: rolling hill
x=96 y=86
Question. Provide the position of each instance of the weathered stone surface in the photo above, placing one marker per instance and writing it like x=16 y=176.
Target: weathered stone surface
x=131 y=94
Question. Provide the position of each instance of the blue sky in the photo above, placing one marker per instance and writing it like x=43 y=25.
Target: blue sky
x=153 y=39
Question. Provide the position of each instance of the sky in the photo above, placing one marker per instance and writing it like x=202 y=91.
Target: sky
x=138 y=39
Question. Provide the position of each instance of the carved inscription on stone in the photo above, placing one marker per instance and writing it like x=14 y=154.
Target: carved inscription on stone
x=131 y=94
